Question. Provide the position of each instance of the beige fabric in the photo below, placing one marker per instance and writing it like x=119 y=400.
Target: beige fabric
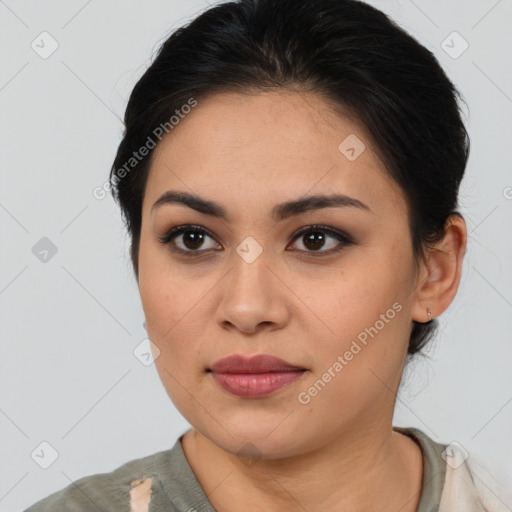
x=466 y=490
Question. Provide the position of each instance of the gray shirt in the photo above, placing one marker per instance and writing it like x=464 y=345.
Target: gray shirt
x=166 y=482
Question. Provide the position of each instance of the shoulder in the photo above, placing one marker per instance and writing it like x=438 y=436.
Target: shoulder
x=468 y=485
x=129 y=487
x=462 y=482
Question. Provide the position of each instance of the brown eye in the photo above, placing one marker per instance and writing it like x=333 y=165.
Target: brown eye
x=188 y=240
x=316 y=238
x=192 y=239
x=314 y=241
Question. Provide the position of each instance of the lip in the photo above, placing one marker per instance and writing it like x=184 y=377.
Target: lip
x=254 y=377
x=260 y=363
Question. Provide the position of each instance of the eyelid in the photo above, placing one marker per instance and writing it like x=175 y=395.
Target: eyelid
x=335 y=233
x=183 y=228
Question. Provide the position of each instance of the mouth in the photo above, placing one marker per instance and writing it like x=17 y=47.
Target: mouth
x=260 y=363
x=254 y=377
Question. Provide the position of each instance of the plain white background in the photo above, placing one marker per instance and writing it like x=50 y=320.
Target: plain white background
x=69 y=325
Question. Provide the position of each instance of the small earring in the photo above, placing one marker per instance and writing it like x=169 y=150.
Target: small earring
x=429 y=314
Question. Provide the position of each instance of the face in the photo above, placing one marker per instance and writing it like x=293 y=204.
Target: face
x=325 y=288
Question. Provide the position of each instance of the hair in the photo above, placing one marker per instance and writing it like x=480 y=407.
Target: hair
x=349 y=52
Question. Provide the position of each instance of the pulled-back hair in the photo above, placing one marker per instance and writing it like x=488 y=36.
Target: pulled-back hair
x=345 y=50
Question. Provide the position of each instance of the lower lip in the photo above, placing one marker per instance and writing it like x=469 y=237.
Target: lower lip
x=255 y=385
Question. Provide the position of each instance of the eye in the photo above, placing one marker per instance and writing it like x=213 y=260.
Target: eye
x=192 y=238
x=314 y=238
x=189 y=240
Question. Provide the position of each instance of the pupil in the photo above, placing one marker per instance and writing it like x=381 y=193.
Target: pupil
x=313 y=239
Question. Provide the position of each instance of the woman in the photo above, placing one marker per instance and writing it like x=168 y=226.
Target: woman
x=289 y=177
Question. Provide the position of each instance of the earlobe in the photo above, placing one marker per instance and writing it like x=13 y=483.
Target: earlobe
x=441 y=272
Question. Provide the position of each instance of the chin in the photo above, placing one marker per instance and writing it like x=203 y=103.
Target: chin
x=254 y=438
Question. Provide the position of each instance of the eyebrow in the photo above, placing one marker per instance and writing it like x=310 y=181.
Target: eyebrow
x=279 y=212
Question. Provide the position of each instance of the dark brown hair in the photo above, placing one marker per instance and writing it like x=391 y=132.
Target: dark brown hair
x=345 y=50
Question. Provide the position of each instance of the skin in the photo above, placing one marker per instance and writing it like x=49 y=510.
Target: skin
x=339 y=450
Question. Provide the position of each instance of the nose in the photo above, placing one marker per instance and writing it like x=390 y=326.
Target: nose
x=254 y=297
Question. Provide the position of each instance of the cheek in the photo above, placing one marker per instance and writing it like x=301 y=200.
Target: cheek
x=177 y=308
x=172 y=324
x=163 y=293
x=362 y=311
x=355 y=368
x=355 y=295
x=173 y=317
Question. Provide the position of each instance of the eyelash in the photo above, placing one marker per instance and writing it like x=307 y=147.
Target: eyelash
x=172 y=233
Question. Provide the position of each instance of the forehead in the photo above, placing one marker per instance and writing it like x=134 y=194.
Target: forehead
x=273 y=144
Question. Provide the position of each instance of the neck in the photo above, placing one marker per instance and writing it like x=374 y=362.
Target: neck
x=359 y=471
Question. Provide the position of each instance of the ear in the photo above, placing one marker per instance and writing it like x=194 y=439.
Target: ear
x=439 y=275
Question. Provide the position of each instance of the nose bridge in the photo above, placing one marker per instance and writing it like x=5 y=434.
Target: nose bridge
x=251 y=267
x=252 y=295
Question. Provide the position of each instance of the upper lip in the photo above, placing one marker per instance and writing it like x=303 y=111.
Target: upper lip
x=260 y=363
